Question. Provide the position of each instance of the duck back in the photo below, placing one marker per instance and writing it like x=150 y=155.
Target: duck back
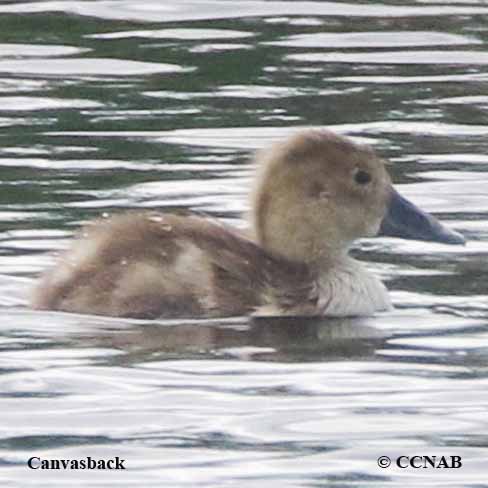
x=149 y=264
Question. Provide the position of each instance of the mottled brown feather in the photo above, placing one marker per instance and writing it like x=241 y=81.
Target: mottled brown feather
x=241 y=275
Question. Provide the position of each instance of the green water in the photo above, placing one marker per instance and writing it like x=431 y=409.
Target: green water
x=106 y=106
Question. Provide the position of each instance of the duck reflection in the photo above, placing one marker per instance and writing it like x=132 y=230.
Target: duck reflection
x=272 y=339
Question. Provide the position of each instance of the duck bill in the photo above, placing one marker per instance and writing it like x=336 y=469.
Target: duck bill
x=406 y=220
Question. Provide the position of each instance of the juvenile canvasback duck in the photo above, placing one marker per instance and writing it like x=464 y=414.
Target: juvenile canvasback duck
x=315 y=193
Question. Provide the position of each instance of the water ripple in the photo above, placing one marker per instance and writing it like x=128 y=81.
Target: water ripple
x=88 y=66
x=375 y=39
x=118 y=104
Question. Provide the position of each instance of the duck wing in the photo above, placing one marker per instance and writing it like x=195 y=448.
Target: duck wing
x=247 y=275
x=151 y=264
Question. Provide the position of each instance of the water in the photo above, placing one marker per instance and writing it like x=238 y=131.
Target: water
x=109 y=105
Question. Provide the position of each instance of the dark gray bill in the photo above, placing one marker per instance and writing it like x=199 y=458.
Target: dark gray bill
x=406 y=220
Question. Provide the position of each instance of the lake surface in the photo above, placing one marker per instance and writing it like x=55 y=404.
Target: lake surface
x=111 y=105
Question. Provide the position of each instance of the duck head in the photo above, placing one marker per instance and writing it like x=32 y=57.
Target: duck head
x=317 y=192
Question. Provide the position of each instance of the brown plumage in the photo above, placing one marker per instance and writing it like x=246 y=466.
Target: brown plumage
x=151 y=264
x=314 y=194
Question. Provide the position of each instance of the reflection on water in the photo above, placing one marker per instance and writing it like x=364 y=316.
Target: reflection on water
x=267 y=339
x=110 y=105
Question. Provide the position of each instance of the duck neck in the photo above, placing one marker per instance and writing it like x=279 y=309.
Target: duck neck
x=330 y=258
x=346 y=288
x=305 y=250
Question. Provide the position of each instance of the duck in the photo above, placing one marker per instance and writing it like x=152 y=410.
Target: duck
x=314 y=194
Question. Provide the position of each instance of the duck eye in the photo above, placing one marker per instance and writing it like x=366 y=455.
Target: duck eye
x=362 y=177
